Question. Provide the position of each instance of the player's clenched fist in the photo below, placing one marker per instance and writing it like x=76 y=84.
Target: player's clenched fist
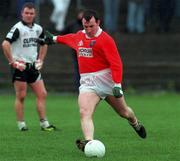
x=49 y=38
x=38 y=64
x=117 y=91
x=20 y=65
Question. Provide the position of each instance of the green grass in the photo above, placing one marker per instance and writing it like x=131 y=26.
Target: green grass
x=159 y=113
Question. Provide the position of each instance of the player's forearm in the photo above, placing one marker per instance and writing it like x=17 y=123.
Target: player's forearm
x=68 y=39
x=42 y=52
x=117 y=76
x=7 y=51
x=117 y=70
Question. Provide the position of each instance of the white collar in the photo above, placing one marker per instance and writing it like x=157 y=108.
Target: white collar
x=99 y=31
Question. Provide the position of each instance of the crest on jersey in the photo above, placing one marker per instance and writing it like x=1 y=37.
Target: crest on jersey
x=92 y=43
x=80 y=43
x=37 y=32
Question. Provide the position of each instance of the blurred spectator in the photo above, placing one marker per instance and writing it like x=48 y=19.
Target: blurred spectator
x=111 y=12
x=59 y=13
x=43 y=1
x=73 y=27
x=177 y=13
x=20 y=4
x=149 y=11
x=165 y=13
x=135 y=16
x=5 y=8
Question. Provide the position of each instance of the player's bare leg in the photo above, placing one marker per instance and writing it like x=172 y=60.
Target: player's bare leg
x=20 y=89
x=121 y=108
x=126 y=112
x=87 y=104
x=41 y=93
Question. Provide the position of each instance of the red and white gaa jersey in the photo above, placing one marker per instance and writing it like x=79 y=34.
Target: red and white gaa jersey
x=95 y=54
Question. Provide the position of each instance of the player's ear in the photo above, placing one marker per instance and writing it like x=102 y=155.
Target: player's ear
x=98 y=22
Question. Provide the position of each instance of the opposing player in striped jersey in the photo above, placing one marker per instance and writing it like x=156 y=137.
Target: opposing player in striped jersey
x=101 y=71
x=20 y=48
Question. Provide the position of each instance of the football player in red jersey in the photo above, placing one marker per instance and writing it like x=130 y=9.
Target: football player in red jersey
x=100 y=67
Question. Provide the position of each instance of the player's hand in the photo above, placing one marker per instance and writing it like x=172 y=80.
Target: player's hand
x=49 y=35
x=49 y=38
x=117 y=91
x=38 y=64
x=20 y=65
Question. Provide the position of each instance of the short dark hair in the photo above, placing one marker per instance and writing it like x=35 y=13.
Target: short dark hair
x=29 y=5
x=88 y=14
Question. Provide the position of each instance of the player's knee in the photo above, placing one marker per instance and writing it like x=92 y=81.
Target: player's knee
x=84 y=113
x=42 y=95
x=21 y=95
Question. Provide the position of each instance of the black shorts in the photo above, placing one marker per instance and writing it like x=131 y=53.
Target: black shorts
x=29 y=75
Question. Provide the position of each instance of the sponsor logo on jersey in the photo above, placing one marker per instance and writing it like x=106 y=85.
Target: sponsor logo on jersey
x=28 y=42
x=85 y=52
x=80 y=43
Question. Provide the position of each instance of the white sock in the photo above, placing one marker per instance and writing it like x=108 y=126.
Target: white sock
x=44 y=123
x=21 y=124
x=136 y=125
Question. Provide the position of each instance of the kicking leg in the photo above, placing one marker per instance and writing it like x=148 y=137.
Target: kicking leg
x=126 y=112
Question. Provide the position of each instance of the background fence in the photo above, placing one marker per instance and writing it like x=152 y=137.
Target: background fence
x=151 y=60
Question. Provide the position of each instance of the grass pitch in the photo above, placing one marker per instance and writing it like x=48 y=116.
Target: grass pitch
x=159 y=113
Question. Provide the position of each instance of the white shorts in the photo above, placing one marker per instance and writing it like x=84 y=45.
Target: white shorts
x=99 y=82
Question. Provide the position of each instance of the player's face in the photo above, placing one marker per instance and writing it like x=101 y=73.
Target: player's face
x=91 y=26
x=28 y=15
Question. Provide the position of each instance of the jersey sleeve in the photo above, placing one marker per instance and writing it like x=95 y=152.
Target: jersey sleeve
x=68 y=39
x=41 y=39
x=12 y=35
x=114 y=59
